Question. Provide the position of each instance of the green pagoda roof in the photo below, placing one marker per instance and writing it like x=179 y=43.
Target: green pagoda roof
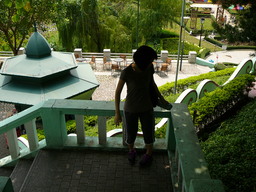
x=42 y=74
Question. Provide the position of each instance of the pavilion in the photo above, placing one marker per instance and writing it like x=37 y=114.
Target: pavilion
x=41 y=74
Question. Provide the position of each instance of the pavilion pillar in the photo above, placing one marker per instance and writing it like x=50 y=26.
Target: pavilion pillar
x=107 y=54
x=21 y=51
x=192 y=57
x=164 y=55
x=78 y=52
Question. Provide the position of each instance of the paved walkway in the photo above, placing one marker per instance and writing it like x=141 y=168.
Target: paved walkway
x=96 y=171
x=232 y=56
x=108 y=82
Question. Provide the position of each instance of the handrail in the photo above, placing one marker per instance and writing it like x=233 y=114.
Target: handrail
x=4 y=54
x=188 y=165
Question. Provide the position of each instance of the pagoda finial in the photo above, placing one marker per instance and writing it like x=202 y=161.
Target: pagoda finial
x=35 y=27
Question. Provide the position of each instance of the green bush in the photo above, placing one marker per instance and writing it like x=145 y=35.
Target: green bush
x=183 y=84
x=171 y=44
x=203 y=53
x=40 y=135
x=89 y=123
x=168 y=34
x=241 y=47
x=216 y=103
x=231 y=151
x=213 y=41
x=71 y=126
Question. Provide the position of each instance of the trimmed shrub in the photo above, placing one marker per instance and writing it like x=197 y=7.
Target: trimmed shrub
x=241 y=47
x=168 y=34
x=216 y=103
x=89 y=123
x=40 y=135
x=213 y=41
x=183 y=84
x=171 y=44
x=231 y=151
x=203 y=53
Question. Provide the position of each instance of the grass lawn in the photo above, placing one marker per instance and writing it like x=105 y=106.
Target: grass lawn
x=192 y=39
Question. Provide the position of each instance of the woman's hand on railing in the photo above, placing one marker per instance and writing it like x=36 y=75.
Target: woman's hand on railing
x=118 y=119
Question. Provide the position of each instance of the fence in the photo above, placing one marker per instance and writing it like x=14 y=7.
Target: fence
x=188 y=167
x=4 y=54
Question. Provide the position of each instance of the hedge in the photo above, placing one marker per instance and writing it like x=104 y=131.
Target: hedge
x=183 y=84
x=218 y=43
x=216 y=103
x=213 y=41
x=231 y=151
x=204 y=53
x=241 y=47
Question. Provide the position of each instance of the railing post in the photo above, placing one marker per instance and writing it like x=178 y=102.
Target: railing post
x=80 y=129
x=164 y=55
x=54 y=128
x=78 y=53
x=6 y=184
x=170 y=138
x=32 y=134
x=21 y=51
x=107 y=54
x=13 y=143
x=192 y=57
x=102 y=130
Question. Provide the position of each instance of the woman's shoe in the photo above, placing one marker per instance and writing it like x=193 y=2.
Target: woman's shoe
x=132 y=156
x=146 y=160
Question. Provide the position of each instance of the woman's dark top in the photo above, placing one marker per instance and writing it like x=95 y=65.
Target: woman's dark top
x=138 y=93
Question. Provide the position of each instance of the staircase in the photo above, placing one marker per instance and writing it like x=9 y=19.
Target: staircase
x=88 y=170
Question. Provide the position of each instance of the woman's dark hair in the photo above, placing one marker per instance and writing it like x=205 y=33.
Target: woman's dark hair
x=144 y=56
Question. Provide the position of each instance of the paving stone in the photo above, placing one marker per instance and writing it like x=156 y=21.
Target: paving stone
x=107 y=172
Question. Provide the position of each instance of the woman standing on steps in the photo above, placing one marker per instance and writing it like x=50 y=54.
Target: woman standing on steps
x=138 y=77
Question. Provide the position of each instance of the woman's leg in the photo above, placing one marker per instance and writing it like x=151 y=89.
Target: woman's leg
x=149 y=148
x=131 y=125
x=147 y=120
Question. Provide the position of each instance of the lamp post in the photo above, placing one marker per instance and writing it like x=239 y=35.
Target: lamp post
x=185 y=19
x=138 y=21
x=179 y=46
x=202 y=23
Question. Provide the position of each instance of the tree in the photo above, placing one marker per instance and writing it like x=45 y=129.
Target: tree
x=245 y=22
x=157 y=14
x=81 y=26
x=97 y=24
x=17 y=18
x=227 y=3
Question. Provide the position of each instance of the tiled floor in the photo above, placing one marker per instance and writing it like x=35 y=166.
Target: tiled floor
x=90 y=170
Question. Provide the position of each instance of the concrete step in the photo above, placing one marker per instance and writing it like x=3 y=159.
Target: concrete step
x=20 y=172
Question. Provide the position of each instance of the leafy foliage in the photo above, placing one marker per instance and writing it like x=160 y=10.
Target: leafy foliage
x=227 y=3
x=168 y=34
x=119 y=25
x=241 y=32
x=90 y=122
x=40 y=135
x=231 y=151
x=217 y=102
x=204 y=53
x=18 y=16
x=183 y=84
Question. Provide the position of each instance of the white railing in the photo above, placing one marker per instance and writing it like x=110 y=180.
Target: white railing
x=188 y=166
